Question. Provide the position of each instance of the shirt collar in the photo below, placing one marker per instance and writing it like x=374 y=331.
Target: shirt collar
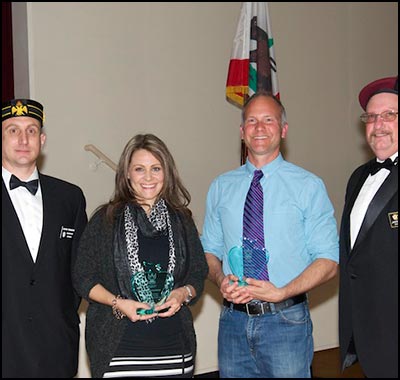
x=392 y=157
x=267 y=169
x=7 y=175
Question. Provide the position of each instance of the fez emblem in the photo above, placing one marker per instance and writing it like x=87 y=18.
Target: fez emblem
x=19 y=109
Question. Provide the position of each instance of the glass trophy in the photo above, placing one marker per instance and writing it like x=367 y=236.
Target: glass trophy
x=152 y=286
x=235 y=259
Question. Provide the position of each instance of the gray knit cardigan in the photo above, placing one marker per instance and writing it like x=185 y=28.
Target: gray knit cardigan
x=95 y=265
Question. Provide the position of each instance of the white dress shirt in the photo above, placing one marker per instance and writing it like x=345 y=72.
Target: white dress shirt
x=364 y=198
x=29 y=209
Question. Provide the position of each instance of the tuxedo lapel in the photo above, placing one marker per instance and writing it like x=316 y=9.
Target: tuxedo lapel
x=379 y=201
x=50 y=225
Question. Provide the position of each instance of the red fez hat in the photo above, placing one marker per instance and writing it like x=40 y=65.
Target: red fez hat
x=389 y=85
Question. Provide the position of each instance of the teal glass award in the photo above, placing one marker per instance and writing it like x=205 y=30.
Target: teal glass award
x=235 y=259
x=152 y=286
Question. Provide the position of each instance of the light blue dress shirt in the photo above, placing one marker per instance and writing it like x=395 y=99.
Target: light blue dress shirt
x=299 y=222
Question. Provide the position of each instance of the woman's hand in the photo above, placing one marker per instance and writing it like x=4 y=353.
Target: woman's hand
x=173 y=303
x=131 y=307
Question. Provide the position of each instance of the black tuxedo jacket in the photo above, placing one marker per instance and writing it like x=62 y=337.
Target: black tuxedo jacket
x=368 y=296
x=40 y=321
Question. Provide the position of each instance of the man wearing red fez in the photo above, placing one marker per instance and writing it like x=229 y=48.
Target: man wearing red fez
x=368 y=295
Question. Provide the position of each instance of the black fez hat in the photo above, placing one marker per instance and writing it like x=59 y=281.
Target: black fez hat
x=379 y=86
x=22 y=107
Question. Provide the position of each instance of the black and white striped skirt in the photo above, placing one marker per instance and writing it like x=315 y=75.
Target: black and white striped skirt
x=178 y=366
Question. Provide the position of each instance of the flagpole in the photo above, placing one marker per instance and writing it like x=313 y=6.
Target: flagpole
x=243 y=153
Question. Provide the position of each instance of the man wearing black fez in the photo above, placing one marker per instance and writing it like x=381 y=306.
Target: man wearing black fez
x=42 y=220
x=368 y=296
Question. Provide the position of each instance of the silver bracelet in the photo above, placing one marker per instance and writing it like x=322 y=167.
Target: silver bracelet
x=190 y=294
x=116 y=312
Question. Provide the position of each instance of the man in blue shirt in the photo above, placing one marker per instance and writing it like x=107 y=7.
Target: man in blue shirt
x=265 y=328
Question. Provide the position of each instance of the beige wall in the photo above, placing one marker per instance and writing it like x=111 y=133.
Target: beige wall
x=106 y=71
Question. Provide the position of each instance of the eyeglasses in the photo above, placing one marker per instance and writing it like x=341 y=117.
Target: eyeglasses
x=368 y=118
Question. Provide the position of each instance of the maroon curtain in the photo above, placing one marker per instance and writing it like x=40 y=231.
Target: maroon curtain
x=7 y=70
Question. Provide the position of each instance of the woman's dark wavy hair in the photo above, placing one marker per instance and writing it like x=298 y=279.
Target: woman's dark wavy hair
x=173 y=191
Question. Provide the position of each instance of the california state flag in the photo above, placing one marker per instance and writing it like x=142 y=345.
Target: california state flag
x=252 y=66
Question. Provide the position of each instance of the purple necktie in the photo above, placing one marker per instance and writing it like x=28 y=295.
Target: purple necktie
x=254 y=256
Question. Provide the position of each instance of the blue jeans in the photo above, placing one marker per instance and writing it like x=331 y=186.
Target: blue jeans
x=273 y=345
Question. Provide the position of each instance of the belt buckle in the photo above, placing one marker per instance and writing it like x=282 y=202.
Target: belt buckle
x=255 y=304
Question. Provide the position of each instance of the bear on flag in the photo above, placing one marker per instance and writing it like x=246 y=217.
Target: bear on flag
x=252 y=65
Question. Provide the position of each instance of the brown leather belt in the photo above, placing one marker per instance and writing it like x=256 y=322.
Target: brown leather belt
x=259 y=307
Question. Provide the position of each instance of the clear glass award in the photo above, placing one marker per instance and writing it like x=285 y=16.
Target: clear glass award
x=235 y=259
x=152 y=286
x=255 y=260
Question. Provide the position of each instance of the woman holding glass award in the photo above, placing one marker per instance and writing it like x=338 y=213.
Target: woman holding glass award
x=140 y=263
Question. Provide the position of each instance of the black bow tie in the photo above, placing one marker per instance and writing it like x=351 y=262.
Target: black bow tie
x=32 y=186
x=376 y=166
